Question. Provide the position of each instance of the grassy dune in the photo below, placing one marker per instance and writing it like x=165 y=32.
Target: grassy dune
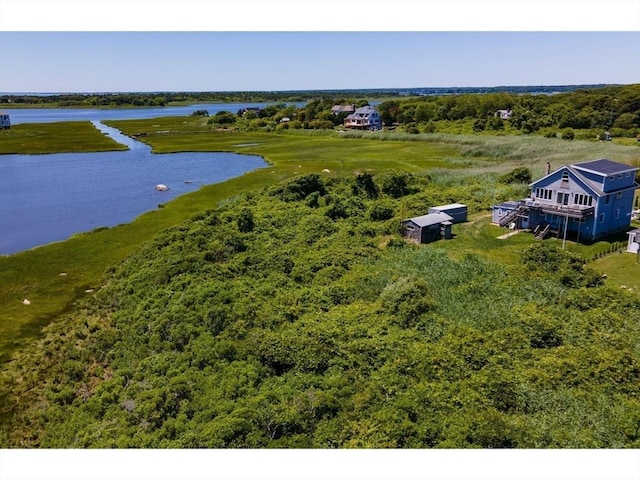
x=59 y=137
x=36 y=274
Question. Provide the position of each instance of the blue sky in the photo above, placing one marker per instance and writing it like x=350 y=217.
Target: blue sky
x=90 y=61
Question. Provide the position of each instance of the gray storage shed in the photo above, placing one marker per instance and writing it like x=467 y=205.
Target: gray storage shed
x=427 y=228
x=456 y=210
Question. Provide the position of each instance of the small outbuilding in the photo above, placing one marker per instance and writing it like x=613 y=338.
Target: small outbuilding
x=457 y=211
x=5 y=121
x=427 y=228
x=634 y=241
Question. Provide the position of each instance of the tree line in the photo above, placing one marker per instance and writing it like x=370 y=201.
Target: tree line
x=615 y=109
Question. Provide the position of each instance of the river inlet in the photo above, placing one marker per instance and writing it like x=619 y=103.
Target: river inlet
x=48 y=198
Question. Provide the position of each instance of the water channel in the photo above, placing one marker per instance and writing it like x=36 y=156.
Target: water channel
x=48 y=198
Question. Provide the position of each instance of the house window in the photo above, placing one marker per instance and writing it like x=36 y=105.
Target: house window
x=617 y=214
x=601 y=217
x=606 y=199
x=544 y=193
x=619 y=175
x=582 y=199
x=619 y=195
x=565 y=176
x=628 y=174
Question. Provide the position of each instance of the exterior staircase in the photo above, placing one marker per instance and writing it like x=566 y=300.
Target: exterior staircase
x=511 y=216
x=541 y=231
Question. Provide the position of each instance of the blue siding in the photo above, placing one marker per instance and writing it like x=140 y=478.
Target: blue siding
x=571 y=188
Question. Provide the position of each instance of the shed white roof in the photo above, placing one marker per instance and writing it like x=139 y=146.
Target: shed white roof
x=450 y=206
x=430 y=219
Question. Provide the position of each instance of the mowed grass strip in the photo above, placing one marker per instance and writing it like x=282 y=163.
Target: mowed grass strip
x=58 y=137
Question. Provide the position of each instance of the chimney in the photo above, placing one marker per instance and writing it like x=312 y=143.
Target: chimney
x=548 y=168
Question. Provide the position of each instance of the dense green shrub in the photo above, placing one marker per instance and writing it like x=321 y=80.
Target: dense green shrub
x=271 y=323
x=518 y=175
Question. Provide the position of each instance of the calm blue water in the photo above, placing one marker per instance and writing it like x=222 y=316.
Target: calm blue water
x=46 y=115
x=47 y=198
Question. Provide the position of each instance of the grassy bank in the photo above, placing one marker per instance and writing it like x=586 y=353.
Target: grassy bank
x=36 y=274
x=58 y=137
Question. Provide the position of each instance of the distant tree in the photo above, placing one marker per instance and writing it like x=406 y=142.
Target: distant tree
x=380 y=212
x=568 y=135
x=430 y=127
x=364 y=183
x=223 y=118
x=479 y=124
x=396 y=185
x=301 y=187
x=495 y=123
x=517 y=175
x=626 y=121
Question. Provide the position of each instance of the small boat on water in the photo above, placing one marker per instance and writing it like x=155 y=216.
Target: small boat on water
x=161 y=187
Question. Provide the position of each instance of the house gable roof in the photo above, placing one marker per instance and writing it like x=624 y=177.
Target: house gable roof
x=430 y=219
x=595 y=187
x=587 y=184
x=601 y=168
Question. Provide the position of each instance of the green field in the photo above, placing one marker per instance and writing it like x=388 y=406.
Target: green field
x=58 y=137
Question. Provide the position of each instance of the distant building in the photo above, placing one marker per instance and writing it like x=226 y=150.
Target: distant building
x=427 y=228
x=5 y=122
x=504 y=114
x=243 y=111
x=588 y=201
x=364 y=118
x=337 y=109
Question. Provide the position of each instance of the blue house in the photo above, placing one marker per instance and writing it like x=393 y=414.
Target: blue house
x=586 y=201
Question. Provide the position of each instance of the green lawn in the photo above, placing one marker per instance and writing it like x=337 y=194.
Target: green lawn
x=58 y=137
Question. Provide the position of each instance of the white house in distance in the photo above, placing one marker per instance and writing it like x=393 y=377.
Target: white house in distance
x=504 y=114
x=364 y=118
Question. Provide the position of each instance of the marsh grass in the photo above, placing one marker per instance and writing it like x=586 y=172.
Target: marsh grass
x=448 y=159
x=58 y=137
